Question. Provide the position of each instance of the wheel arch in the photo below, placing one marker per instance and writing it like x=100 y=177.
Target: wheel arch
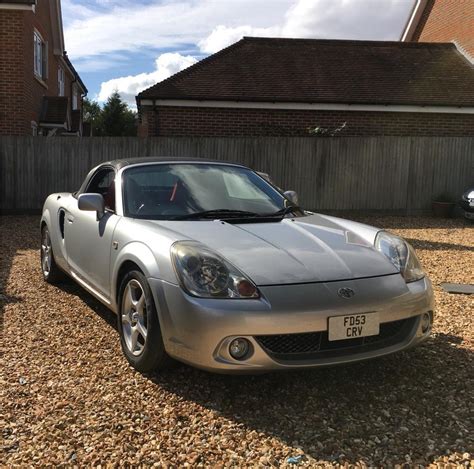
x=134 y=256
x=126 y=267
x=45 y=219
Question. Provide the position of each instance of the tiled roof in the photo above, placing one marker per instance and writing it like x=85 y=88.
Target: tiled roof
x=54 y=110
x=73 y=70
x=326 y=71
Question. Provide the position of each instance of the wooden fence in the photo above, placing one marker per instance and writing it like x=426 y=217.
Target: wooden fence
x=400 y=174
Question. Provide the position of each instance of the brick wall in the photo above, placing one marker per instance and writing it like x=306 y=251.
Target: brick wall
x=12 y=100
x=220 y=122
x=147 y=124
x=21 y=93
x=36 y=89
x=446 y=21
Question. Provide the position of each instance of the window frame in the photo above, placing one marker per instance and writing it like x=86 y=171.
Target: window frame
x=40 y=56
x=75 y=98
x=109 y=169
x=61 y=81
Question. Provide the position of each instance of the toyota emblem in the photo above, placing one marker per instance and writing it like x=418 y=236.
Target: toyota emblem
x=346 y=293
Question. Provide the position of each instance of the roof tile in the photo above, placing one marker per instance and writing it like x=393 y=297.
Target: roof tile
x=326 y=71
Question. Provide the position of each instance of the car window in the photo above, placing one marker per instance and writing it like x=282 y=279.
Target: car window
x=164 y=191
x=154 y=178
x=101 y=181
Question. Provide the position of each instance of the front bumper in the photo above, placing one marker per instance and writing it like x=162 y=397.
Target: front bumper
x=198 y=331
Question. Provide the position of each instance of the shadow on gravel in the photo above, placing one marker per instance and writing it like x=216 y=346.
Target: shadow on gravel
x=13 y=240
x=438 y=246
x=412 y=406
x=410 y=222
x=414 y=403
x=102 y=311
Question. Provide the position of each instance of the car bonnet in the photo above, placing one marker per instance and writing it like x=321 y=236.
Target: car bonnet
x=309 y=249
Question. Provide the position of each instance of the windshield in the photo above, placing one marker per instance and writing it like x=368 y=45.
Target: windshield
x=179 y=190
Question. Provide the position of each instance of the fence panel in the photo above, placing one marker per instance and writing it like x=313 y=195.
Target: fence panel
x=357 y=173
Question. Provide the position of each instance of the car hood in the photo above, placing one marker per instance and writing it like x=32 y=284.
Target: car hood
x=311 y=249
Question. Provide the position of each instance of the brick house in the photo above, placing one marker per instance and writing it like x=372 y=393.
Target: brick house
x=40 y=91
x=301 y=87
x=442 y=21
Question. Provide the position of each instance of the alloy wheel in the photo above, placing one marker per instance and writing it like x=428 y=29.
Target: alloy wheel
x=134 y=317
x=46 y=253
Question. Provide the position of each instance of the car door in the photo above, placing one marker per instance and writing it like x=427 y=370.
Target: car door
x=88 y=239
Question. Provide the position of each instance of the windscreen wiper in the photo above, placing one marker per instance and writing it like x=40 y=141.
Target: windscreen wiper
x=285 y=211
x=218 y=213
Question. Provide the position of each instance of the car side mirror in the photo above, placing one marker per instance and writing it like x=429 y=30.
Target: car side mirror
x=92 y=203
x=292 y=196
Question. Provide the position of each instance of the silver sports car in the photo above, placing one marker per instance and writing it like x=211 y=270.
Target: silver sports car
x=210 y=264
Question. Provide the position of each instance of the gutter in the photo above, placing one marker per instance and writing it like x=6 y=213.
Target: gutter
x=73 y=71
x=18 y=6
x=305 y=106
x=413 y=20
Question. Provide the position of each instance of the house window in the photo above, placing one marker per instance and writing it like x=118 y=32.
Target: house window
x=75 y=98
x=40 y=57
x=61 y=81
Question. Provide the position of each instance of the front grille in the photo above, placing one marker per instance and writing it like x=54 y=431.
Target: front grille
x=290 y=343
x=317 y=345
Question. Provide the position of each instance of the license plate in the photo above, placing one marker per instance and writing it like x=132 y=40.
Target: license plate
x=353 y=326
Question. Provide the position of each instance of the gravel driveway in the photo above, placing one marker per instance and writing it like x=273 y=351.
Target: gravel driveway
x=67 y=396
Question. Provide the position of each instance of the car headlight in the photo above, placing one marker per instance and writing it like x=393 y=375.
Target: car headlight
x=206 y=274
x=469 y=195
x=401 y=255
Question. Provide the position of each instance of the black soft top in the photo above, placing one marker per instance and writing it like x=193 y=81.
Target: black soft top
x=121 y=163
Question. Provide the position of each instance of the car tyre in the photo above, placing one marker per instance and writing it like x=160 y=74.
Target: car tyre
x=139 y=326
x=51 y=272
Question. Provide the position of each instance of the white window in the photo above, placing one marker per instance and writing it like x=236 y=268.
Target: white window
x=40 y=57
x=75 y=98
x=61 y=81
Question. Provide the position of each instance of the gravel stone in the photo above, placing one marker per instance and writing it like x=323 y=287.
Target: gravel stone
x=68 y=397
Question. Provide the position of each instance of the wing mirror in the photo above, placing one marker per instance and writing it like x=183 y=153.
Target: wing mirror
x=292 y=196
x=92 y=203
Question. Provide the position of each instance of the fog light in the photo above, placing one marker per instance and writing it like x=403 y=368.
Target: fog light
x=239 y=348
x=425 y=322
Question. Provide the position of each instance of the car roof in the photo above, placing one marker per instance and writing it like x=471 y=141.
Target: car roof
x=121 y=163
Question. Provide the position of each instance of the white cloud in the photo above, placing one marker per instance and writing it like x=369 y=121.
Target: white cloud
x=323 y=19
x=112 y=27
x=166 y=65
x=131 y=26
x=347 y=19
x=223 y=36
x=73 y=11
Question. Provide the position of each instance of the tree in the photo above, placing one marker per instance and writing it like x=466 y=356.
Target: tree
x=114 y=119
x=92 y=113
x=117 y=119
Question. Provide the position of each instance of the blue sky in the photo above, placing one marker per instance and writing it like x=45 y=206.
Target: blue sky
x=130 y=45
